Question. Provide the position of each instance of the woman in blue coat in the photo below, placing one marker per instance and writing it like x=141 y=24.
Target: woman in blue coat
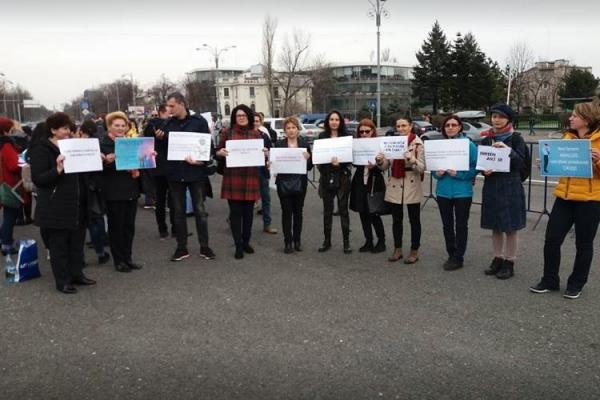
x=454 y=191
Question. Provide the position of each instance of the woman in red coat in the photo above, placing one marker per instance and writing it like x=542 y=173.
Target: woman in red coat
x=241 y=186
x=10 y=174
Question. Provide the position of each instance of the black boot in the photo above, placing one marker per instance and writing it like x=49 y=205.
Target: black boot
x=297 y=246
x=494 y=266
x=325 y=246
x=507 y=270
x=379 y=247
x=288 y=248
x=368 y=246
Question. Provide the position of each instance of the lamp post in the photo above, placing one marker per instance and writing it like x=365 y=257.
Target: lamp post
x=216 y=53
x=130 y=74
x=376 y=11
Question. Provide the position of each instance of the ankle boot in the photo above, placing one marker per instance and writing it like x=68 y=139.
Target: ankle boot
x=412 y=258
x=298 y=246
x=325 y=246
x=368 y=246
x=396 y=256
x=288 y=248
x=494 y=266
x=379 y=247
x=507 y=270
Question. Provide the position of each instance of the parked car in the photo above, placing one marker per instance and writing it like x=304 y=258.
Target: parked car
x=471 y=129
x=277 y=125
x=311 y=132
x=420 y=127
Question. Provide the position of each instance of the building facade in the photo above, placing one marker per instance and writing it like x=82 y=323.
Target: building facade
x=355 y=88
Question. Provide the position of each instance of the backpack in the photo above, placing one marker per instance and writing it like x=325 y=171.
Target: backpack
x=525 y=171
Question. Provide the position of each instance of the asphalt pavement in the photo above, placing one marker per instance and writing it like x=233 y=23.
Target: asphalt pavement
x=303 y=326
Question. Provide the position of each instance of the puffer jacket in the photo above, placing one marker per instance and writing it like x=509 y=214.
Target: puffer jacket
x=407 y=190
x=581 y=189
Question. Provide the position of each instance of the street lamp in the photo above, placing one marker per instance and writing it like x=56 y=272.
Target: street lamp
x=216 y=53
x=376 y=11
x=130 y=74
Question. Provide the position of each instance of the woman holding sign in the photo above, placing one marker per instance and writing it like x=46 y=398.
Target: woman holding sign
x=61 y=206
x=121 y=192
x=367 y=181
x=454 y=192
x=503 y=196
x=404 y=187
x=577 y=203
x=291 y=188
x=241 y=185
x=334 y=182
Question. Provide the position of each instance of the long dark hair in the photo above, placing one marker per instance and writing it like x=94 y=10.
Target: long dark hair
x=448 y=118
x=341 y=130
x=249 y=113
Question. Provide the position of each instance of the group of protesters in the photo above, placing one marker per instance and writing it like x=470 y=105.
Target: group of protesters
x=68 y=204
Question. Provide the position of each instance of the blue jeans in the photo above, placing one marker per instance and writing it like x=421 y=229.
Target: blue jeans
x=8 y=223
x=98 y=233
x=265 y=195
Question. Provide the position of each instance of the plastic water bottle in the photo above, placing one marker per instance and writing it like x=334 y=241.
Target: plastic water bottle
x=9 y=270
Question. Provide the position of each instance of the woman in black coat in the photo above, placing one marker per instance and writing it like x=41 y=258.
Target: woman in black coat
x=121 y=192
x=61 y=207
x=368 y=179
x=291 y=188
x=503 y=197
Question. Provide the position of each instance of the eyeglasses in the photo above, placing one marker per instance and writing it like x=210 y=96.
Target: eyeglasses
x=362 y=131
x=451 y=125
x=241 y=116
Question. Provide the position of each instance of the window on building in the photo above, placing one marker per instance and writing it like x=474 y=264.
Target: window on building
x=227 y=109
x=276 y=92
x=225 y=92
x=253 y=107
x=252 y=91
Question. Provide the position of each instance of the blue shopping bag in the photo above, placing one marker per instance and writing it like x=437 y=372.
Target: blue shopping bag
x=27 y=261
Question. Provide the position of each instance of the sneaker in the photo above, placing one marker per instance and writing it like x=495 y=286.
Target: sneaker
x=507 y=270
x=207 y=253
x=180 y=254
x=270 y=229
x=572 y=293
x=452 y=264
x=542 y=287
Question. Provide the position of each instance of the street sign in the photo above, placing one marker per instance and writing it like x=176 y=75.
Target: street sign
x=31 y=104
x=372 y=104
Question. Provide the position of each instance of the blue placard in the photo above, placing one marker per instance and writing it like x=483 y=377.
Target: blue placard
x=566 y=158
x=134 y=153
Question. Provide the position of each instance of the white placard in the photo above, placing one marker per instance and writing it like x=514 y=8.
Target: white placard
x=365 y=150
x=447 y=154
x=493 y=158
x=194 y=144
x=325 y=149
x=287 y=160
x=245 y=153
x=81 y=155
x=394 y=147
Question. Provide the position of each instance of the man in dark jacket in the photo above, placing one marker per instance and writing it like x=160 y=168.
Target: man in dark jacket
x=189 y=174
x=154 y=129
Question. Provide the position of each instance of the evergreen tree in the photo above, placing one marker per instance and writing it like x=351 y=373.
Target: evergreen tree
x=428 y=75
x=578 y=83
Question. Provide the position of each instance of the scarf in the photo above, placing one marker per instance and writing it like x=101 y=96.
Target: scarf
x=399 y=166
x=501 y=136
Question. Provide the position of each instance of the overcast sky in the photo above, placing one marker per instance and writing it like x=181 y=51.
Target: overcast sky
x=56 y=49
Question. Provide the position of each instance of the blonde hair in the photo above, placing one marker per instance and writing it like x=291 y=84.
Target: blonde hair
x=590 y=113
x=291 y=120
x=116 y=115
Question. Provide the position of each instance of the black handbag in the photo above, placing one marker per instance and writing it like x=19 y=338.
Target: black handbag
x=376 y=203
x=290 y=186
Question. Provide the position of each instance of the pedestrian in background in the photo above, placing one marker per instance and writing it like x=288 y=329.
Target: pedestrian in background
x=503 y=197
x=577 y=203
x=404 y=187
x=368 y=180
x=334 y=182
x=454 y=194
x=121 y=192
x=291 y=188
x=10 y=173
x=265 y=191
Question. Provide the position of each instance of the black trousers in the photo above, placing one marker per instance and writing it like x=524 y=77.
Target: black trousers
x=586 y=217
x=121 y=228
x=240 y=218
x=66 y=254
x=291 y=217
x=343 y=197
x=414 y=217
x=178 y=190
x=455 y=219
x=161 y=187
x=367 y=221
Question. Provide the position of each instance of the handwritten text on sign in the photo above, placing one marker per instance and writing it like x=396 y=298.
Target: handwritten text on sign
x=493 y=159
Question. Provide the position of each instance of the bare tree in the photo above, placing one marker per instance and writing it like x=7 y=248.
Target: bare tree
x=294 y=62
x=268 y=57
x=323 y=84
x=520 y=59
x=199 y=95
x=161 y=89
